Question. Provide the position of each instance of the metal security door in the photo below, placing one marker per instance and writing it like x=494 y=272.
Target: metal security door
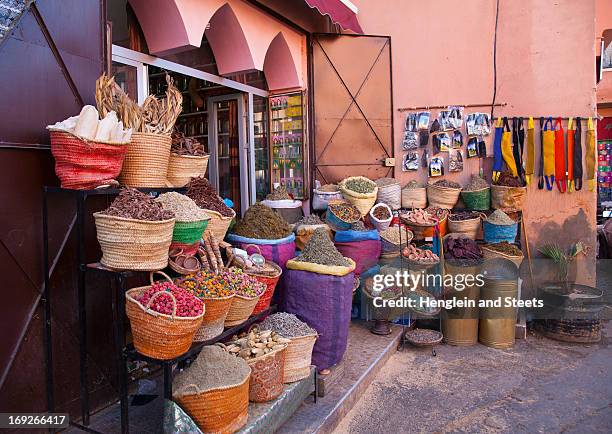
x=353 y=106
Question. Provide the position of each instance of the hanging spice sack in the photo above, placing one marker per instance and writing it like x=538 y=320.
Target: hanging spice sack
x=389 y=192
x=414 y=196
x=359 y=191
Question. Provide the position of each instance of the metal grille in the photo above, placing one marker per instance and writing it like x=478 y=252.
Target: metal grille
x=353 y=106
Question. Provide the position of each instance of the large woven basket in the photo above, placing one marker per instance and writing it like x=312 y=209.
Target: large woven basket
x=442 y=197
x=414 y=197
x=508 y=198
x=189 y=232
x=391 y=194
x=218 y=224
x=129 y=244
x=156 y=334
x=214 y=318
x=488 y=253
x=468 y=227
x=298 y=358
x=220 y=410
x=477 y=200
x=181 y=168
x=270 y=281
x=240 y=310
x=146 y=161
x=267 y=373
x=81 y=164
x=362 y=201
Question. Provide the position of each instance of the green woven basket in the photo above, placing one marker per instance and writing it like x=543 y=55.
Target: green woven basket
x=478 y=200
x=188 y=232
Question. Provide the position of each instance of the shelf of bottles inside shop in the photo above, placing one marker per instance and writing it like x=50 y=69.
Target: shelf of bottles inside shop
x=287 y=142
x=193 y=120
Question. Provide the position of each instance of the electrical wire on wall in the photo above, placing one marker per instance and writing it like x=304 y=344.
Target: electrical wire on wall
x=481 y=170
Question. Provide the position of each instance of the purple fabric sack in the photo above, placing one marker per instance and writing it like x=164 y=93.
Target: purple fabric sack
x=324 y=303
x=365 y=253
x=277 y=253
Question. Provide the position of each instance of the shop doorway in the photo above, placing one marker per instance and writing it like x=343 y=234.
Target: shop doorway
x=226 y=144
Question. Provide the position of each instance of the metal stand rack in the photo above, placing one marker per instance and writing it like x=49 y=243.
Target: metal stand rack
x=124 y=353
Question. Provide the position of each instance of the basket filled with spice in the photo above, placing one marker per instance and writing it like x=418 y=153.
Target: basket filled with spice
x=191 y=220
x=323 y=194
x=394 y=239
x=508 y=193
x=216 y=294
x=135 y=232
x=476 y=195
x=465 y=222
x=422 y=222
x=188 y=159
x=381 y=216
x=88 y=152
x=269 y=274
x=268 y=230
x=163 y=317
x=389 y=192
x=247 y=290
x=503 y=250
x=148 y=154
x=281 y=201
x=499 y=227
x=205 y=196
x=414 y=195
x=360 y=192
x=302 y=338
x=214 y=390
x=341 y=215
x=443 y=193
x=264 y=351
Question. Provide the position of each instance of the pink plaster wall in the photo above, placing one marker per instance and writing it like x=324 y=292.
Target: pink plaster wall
x=443 y=54
x=603 y=21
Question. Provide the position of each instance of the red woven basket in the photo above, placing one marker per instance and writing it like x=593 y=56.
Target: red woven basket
x=266 y=297
x=81 y=164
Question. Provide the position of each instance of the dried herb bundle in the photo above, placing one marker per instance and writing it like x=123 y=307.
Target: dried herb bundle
x=155 y=116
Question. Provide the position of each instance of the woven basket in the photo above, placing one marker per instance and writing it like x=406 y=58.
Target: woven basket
x=414 y=197
x=493 y=233
x=477 y=200
x=298 y=358
x=181 y=168
x=129 y=244
x=270 y=281
x=81 y=164
x=220 y=410
x=155 y=334
x=214 y=318
x=218 y=225
x=389 y=247
x=189 y=232
x=488 y=253
x=146 y=161
x=390 y=194
x=442 y=197
x=469 y=227
x=421 y=232
x=267 y=373
x=508 y=198
x=187 y=249
x=240 y=310
x=362 y=201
